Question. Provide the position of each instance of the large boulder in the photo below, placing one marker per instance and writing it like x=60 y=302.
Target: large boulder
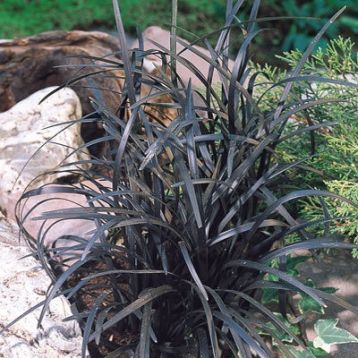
x=50 y=200
x=29 y=125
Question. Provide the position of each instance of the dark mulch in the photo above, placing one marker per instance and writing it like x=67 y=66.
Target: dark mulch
x=111 y=339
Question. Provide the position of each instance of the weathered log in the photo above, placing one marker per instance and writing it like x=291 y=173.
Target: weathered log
x=29 y=64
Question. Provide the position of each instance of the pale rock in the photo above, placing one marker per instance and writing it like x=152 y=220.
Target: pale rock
x=23 y=284
x=50 y=230
x=40 y=132
x=9 y=232
x=35 y=206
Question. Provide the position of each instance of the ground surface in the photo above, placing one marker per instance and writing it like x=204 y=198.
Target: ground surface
x=340 y=271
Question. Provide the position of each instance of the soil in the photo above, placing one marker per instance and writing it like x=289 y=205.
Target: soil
x=84 y=301
x=338 y=270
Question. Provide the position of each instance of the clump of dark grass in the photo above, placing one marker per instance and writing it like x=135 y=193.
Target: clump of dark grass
x=196 y=210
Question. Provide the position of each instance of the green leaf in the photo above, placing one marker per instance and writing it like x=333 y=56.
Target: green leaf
x=292 y=263
x=308 y=304
x=310 y=352
x=329 y=289
x=300 y=354
x=272 y=277
x=319 y=343
x=269 y=295
x=317 y=352
x=279 y=333
x=328 y=333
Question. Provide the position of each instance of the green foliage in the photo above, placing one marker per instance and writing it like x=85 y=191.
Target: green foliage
x=26 y=17
x=197 y=16
x=338 y=59
x=300 y=32
x=307 y=305
x=21 y=18
x=326 y=330
x=328 y=334
x=270 y=295
x=336 y=151
x=271 y=330
x=196 y=215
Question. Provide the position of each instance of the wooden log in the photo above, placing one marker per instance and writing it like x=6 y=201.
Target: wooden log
x=29 y=64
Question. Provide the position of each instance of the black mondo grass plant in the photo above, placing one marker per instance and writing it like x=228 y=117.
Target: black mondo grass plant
x=197 y=211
